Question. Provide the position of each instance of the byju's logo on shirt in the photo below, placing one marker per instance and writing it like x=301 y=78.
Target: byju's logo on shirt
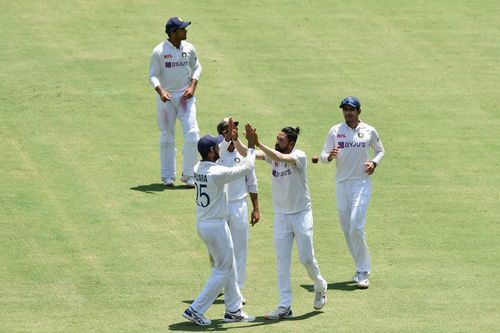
x=350 y=144
x=277 y=174
x=172 y=64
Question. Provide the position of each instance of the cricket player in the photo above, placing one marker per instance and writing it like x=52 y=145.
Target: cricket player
x=213 y=229
x=349 y=144
x=292 y=217
x=174 y=73
x=237 y=206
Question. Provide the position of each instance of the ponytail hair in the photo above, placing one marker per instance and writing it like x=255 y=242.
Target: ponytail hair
x=291 y=133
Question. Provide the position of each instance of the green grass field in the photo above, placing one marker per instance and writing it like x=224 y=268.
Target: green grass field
x=89 y=240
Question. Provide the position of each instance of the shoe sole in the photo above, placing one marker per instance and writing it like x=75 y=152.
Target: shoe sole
x=194 y=320
x=363 y=286
x=245 y=320
x=278 y=318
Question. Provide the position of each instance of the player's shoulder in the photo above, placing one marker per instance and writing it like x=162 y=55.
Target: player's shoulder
x=298 y=153
x=367 y=127
x=336 y=128
x=160 y=46
x=187 y=45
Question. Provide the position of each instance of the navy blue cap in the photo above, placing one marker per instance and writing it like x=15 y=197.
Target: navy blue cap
x=206 y=143
x=175 y=23
x=352 y=101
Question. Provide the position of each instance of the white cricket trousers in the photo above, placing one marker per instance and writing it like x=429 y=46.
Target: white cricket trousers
x=353 y=198
x=286 y=228
x=167 y=113
x=238 y=225
x=217 y=237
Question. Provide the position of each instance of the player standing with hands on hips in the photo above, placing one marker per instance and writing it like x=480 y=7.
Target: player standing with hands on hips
x=349 y=143
x=292 y=217
x=174 y=73
x=213 y=229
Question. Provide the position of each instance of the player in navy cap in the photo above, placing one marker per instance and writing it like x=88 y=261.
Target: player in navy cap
x=174 y=73
x=211 y=224
x=349 y=144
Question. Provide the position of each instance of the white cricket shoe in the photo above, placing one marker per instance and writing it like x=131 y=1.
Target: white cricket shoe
x=188 y=180
x=167 y=181
x=196 y=317
x=320 y=300
x=355 y=277
x=280 y=313
x=237 y=316
x=363 y=282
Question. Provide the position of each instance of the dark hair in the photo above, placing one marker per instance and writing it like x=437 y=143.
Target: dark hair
x=291 y=133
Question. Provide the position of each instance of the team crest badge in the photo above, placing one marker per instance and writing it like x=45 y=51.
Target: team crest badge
x=361 y=135
x=184 y=54
x=237 y=160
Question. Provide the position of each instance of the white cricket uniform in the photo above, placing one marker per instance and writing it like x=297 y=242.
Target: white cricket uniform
x=212 y=227
x=173 y=68
x=353 y=184
x=238 y=208
x=293 y=219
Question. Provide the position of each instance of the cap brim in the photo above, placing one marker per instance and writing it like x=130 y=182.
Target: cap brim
x=185 y=24
x=354 y=106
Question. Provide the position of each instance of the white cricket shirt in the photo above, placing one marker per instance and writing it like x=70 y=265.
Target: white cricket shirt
x=173 y=68
x=290 y=190
x=354 y=146
x=210 y=180
x=239 y=188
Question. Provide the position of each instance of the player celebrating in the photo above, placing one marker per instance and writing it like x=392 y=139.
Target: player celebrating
x=349 y=143
x=237 y=207
x=292 y=216
x=213 y=229
x=174 y=73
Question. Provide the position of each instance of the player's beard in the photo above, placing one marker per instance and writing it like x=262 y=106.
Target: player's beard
x=278 y=148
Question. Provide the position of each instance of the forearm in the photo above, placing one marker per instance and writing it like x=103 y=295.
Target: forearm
x=159 y=89
x=240 y=147
x=275 y=155
x=254 y=197
x=194 y=84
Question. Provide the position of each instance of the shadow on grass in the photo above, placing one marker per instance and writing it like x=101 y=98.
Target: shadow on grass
x=345 y=285
x=217 y=301
x=158 y=187
x=221 y=325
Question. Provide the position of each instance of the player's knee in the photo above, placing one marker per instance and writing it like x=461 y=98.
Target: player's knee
x=192 y=137
x=306 y=260
x=357 y=233
x=166 y=139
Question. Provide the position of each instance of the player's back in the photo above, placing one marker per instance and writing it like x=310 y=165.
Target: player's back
x=211 y=199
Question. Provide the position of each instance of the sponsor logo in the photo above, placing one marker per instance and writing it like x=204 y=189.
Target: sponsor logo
x=277 y=174
x=172 y=64
x=167 y=56
x=341 y=135
x=351 y=144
